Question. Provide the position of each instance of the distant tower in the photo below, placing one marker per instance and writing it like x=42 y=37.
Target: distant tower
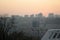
x=39 y=15
x=57 y=15
x=32 y=15
x=26 y=16
x=51 y=15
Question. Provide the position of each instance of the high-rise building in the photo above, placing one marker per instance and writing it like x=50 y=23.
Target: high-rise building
x=32 y=15
x=39 y=15
x=26 y=16
x=51 y=15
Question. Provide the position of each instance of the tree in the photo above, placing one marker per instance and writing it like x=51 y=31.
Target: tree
x=5 y=27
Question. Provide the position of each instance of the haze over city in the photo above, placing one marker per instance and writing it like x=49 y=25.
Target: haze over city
x=29 y=19
x=23 y=7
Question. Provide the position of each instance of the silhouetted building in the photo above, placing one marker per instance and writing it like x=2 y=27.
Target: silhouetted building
x=26 y=16
x=39 y=15
x=32 y=15
x=57 y=15
x=51 y=15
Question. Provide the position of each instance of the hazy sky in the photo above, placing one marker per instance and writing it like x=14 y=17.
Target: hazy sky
x=23 y=7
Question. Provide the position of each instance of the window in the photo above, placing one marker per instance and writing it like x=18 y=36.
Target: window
x=54 y=36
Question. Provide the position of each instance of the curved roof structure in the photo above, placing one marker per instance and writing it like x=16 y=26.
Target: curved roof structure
x=52 y=34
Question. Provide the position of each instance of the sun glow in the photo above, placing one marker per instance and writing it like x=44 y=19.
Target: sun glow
x=23 y=7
